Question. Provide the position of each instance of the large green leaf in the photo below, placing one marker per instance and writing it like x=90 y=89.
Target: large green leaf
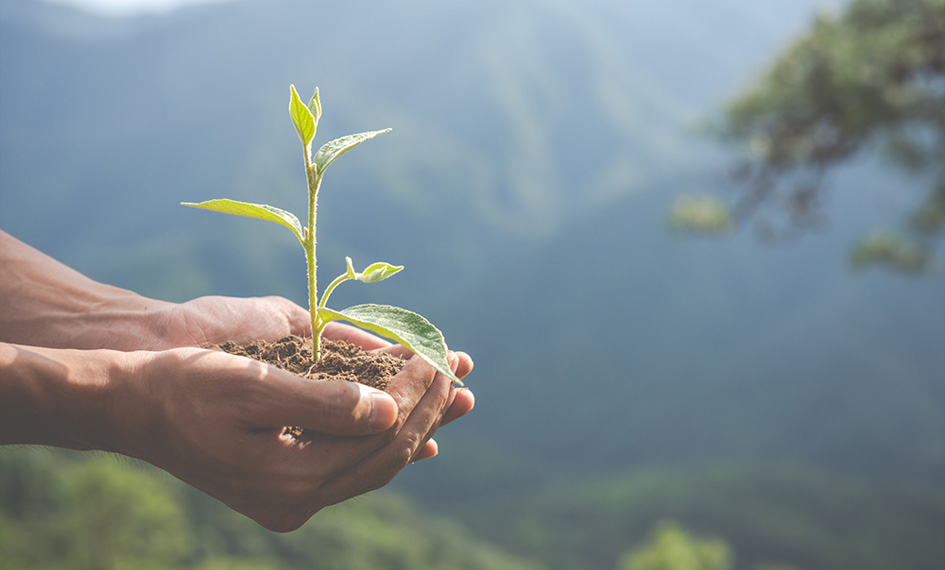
x=333 y=149
x=302 y=117
x=403 y=326
x=258 y=211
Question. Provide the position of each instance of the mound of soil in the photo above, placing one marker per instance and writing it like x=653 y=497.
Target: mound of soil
x=339 y=360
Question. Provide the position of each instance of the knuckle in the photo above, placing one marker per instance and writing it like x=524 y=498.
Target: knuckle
x=404 y=453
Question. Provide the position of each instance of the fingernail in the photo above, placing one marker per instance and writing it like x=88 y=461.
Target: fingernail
x=452 y=360
x=383 y=411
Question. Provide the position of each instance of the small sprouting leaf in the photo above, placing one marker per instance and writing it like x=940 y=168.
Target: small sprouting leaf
x=333 y=149
x=403 y=326
x=377 y=272
x=302 y=117
x=258 y=211
x=315 y=106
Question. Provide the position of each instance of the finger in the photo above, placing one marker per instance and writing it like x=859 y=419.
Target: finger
x=451 y=410
x=338 y=408
x=429 y=449
x=354 y=335
x=464 y=365
x=461 y=365
x=378 y=468
x=409 y=386
x=461 y=400
x=432 y=427
x=407 y=389
x=460 y=362
x=463 y=403
x=416 y=431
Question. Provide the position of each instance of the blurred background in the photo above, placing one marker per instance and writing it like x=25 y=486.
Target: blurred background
x=694 y=247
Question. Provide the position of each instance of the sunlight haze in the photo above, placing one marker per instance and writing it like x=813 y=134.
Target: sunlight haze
x=129 y=7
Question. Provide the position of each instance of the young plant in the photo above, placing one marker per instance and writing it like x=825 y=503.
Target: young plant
x=400 y=325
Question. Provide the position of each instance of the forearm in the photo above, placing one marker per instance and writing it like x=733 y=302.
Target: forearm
x=45 y=303
x=63 y=398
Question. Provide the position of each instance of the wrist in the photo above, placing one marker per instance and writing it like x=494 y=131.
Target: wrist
x=45 y=303
x=123 y=320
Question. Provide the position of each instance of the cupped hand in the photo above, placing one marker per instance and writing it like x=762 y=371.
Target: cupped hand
x=216 y=319
x=217 y=421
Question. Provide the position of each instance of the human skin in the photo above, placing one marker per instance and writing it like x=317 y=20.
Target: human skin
x=84 y=365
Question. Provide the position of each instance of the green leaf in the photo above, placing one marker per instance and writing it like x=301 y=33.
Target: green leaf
x=302 y=117
x=403 y=326
x=259 y=211
x=332 y=150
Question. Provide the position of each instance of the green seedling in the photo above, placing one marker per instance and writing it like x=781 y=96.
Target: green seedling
x=400 y=325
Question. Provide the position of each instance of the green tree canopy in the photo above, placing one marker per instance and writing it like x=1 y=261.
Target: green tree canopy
x=670 y=547
x=871 y=78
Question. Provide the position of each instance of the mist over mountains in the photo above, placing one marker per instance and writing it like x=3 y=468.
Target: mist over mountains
x=535 y=151
x=521 y=122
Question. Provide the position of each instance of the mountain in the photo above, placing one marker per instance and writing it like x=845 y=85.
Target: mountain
x=513 y=124
x=613 y=348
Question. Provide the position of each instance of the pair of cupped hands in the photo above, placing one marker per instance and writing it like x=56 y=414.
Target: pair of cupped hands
x=226 y=437
x=90 y=366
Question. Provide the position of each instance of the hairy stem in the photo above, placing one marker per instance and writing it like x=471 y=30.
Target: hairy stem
x=314 y=181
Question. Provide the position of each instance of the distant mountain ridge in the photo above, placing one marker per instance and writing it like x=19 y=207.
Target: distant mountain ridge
x=520 y=119
x=512 y=122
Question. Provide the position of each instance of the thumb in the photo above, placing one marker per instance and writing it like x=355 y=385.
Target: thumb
x=332 y=407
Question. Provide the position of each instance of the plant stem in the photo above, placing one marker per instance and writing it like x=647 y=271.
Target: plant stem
x=314 y=181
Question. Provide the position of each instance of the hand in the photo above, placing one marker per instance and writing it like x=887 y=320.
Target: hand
x=215 y=320
x=220 y=425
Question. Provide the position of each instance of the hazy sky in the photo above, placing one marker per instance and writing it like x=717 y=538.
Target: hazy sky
x=131 y=7
x=127 y=7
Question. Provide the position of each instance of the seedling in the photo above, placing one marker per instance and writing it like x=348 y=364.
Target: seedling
x=400 y=325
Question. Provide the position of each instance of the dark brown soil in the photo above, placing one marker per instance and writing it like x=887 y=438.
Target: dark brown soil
x=339 y=360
